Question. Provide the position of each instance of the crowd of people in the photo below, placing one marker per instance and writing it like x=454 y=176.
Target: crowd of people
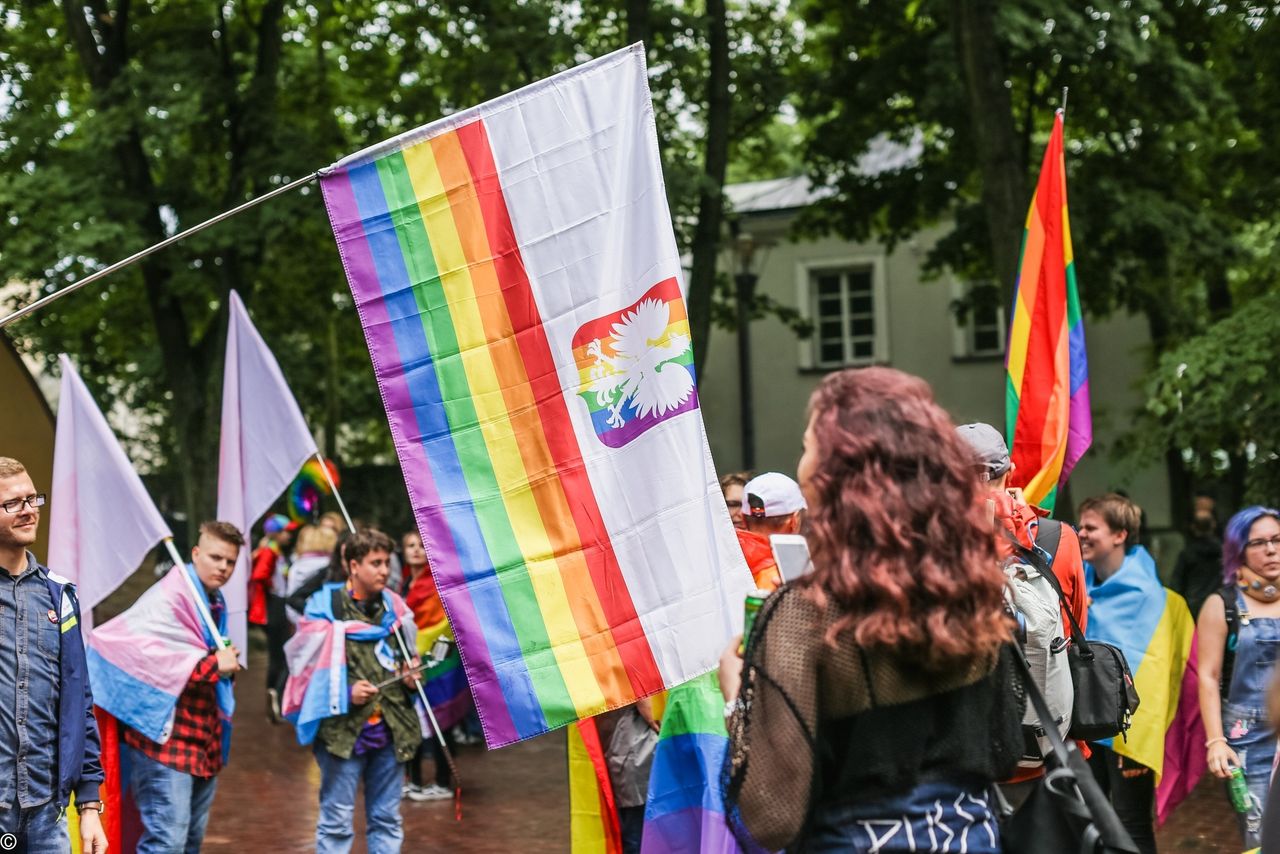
x=879 y=703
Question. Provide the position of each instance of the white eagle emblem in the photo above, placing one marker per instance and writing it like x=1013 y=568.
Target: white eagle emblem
x=639 y=371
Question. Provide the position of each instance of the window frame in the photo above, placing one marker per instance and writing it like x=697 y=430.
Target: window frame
x=806 y=293
x=964 y=332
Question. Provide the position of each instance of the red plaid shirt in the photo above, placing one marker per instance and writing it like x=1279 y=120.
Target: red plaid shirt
x=195 y=745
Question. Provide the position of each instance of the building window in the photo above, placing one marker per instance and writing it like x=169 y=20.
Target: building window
x=844 y=317
x=980 y=323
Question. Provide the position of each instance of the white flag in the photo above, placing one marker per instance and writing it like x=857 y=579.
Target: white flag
x=265 y=441
x=102 y=522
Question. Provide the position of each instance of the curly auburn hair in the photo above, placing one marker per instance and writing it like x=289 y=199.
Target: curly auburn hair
x=897 y=529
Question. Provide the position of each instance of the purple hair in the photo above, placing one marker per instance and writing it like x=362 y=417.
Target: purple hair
x=1236 y=535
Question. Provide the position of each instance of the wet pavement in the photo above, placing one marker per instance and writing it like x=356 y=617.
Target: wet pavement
x=516 y=798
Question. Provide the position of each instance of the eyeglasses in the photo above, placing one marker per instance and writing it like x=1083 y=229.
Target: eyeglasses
x=15 y=505
x=1274 y=542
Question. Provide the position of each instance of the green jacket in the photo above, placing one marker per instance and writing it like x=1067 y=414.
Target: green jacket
x=338 y=734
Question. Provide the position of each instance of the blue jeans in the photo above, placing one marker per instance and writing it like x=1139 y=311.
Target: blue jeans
x=1251 y=737
x=339 y=779
x=43 y=828
x=174 y=807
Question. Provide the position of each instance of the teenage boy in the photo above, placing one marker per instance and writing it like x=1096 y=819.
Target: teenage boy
x=372 y=729
x=160 y=672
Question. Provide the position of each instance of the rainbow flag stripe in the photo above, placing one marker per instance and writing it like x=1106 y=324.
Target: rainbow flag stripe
x=485 y=438
x=685 y=810
x=1047 y=393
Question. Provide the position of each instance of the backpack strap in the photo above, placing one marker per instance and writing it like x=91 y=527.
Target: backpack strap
x=1232 y=608
x=1048 y=536
x=1037 y=560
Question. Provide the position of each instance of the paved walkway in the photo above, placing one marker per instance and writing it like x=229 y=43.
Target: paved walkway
x=513 y=799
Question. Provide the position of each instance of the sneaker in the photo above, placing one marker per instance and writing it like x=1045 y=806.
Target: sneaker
x=434 y=792
x=273 y=706
x=408 y=789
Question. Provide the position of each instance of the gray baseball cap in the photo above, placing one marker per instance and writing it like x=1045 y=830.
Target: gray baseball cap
x=990 y=453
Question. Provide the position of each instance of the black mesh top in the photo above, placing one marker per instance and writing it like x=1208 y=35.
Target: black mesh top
x=819 y=724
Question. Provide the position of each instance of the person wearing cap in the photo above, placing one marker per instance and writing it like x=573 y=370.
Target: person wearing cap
x=771 y=504
x=1017 y=521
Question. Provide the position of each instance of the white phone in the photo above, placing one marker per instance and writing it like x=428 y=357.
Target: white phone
x=791 y=553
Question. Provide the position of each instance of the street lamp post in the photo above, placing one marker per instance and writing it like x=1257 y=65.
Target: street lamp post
x=744 y=291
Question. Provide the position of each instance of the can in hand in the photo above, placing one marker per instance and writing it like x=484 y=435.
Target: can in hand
x=751 y=607
x=1239 y=789
x=441 y=648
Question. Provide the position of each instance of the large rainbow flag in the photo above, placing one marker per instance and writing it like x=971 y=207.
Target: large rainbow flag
x=563 y=486
x=1047 y=393
x=684 y=813
x=1153 y=628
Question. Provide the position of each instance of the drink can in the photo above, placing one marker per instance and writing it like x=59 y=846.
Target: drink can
x=1239 y=789
x=441 y=648
x=751 y=607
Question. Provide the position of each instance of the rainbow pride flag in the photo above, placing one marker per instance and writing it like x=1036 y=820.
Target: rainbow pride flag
x=593 y=812
x=1153 y=628
x=573 y=522
x=685 y=808
x=1047 y=394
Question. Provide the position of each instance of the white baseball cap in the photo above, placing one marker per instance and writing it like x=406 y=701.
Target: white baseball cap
x=771 y=494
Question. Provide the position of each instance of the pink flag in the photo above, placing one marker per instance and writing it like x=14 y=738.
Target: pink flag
x=265 y=441
x=102 y=522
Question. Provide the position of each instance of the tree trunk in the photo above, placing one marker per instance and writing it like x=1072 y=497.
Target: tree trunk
x=639 y=28
x=191 y=367
x=706 y=235
x=995 y=137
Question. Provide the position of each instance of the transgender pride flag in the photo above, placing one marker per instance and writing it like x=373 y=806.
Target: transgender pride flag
x=519 y=286
x=1047 y=395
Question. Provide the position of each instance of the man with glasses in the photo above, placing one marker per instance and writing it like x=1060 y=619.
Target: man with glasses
x=48 y=736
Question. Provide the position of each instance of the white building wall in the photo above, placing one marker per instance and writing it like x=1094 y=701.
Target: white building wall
x=918 y=337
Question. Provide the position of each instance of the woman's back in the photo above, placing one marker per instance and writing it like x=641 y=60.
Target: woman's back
x=846 y=727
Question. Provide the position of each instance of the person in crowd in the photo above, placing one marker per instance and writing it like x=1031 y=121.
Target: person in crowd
x=268 y=587
x=876 y=705
x=311 y=558
x=333 y=521
x=48 y=736
x=630 y=759
x=1239 y=731
x=1198 y=573
x=1130 y=609
x=1271 y=810
x=268 y=560
x=772 y=504
x=375 y=730
x=731 y=487
x=423 y=600
x=175 y=746
x=1019 y=525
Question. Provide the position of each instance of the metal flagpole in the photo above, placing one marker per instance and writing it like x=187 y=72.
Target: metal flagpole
x=138 y=256
x=324 y=467
x=218 y=640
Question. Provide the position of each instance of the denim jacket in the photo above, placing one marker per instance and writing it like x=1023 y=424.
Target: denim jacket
x=77 y=767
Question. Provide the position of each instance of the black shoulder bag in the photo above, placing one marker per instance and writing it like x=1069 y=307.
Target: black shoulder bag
x=1067 y=812
x=1104 y=698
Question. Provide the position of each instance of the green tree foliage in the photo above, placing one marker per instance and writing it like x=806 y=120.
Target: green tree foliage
x=1170 y=104
x=123 y=122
